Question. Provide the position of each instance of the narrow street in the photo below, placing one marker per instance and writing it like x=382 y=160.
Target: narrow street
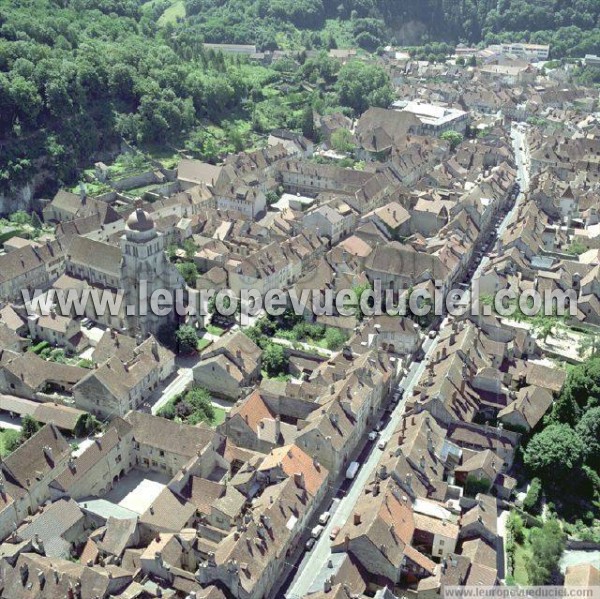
x=308 y=568
x=314 y=560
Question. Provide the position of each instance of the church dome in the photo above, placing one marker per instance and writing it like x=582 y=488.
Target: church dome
x=140 y=220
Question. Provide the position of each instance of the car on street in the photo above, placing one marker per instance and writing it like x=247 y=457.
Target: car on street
x=382 y=444
x=310 y=543
x=372 y=435
x=324 y=518
x=432 y=334
x=315 y=533
x=379 y=426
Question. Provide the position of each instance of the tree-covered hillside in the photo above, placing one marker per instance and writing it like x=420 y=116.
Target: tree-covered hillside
x=77 y=76
x=74 y=77
x=572 y=26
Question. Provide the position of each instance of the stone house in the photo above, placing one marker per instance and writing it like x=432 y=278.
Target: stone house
x=228 y=365
x=119 y=385
x=27 y=473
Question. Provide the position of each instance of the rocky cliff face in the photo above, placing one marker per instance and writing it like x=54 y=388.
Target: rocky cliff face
x=20 y=199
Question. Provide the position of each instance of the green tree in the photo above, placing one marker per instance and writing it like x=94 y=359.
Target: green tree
x=29 y=426
x=342 y=140
x=86 y=425
x=516 y=527
x=454 y=138
x=187 y=339
x=532 y=500
x=201 y=402
x=190 y=249
x=20 y=217
x=554 y=453
x=547 y=545
x=308 y=122
x=361 y=85
x=12 y=439
x=580 y=392
x=274 y=360
x=334 y=338
x=588 y=429
x=189 y=272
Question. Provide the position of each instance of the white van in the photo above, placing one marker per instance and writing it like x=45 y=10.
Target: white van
x=324 y=518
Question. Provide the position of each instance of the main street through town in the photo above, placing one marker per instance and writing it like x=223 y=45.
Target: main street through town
x=305 y=573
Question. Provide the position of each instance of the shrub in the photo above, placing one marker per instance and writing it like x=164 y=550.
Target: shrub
x=187 y=339
x=531 y=503
x=168 y=410
x=12 y=440
x=30 y=426
x=39 y=347
x=86 y=425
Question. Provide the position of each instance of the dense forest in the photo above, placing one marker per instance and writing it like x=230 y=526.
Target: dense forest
x=86 y=73
x=77 y=76
x=571 y=26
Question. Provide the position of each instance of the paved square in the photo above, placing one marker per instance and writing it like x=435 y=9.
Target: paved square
x=137 y=490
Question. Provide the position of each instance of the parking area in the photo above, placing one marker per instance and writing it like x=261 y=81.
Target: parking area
x=137 y=490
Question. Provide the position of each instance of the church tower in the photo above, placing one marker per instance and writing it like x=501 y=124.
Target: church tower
x=145 y=269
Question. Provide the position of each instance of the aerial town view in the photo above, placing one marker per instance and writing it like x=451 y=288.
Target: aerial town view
x=299 y=299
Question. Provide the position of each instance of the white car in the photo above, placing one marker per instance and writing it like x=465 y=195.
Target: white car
x=324 y=518
x=372 y=435
x=315 y=533
x=382 y=444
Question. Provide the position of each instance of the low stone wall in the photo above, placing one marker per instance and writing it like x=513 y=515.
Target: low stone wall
x=141 y=180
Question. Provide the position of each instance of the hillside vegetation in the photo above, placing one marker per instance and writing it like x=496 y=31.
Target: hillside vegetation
x=570 y=25
x=84 y=74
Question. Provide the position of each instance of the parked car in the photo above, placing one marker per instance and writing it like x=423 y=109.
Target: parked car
x=372 y=435
x=382 y=444
x=315 y=533
x=310 y=543
x=324 y=518
x=379 y=426
x=335 y=531
x=432 y=334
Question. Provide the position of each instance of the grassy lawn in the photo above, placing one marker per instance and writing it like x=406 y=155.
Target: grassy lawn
x=219 y=418
x=279 y=377
x=214 y=330
x=521 y=553
x=6 y=435
x=175 y=11
x=203 y=344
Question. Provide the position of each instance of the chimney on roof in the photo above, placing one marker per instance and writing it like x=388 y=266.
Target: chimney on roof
x=48 y=453
x=346 y=543
x=356 y=519
x=41 y=579
x=24 y=572
x=299 y=479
